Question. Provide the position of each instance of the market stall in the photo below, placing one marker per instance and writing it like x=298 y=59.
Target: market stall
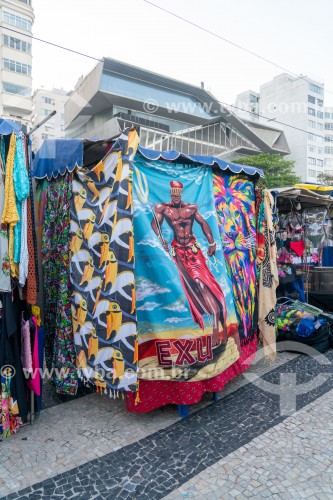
x=158 y=268
x=304 y=240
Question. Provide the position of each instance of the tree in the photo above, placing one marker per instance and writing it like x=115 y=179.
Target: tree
x=325 y=178
x=278 y=171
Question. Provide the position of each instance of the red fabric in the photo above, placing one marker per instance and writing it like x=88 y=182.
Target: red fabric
x=153 y=394
x=298 y=247
x=196 y=268
x=35 y=382
x=176 y=184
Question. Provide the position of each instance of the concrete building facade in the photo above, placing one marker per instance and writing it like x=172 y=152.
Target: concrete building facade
x=44 y=103
x=17 y=18
x=168 y=113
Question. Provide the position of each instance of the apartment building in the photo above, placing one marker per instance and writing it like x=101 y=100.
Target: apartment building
x=328 y=149
x=17 y=18
x=45 y=102
x=296 y=106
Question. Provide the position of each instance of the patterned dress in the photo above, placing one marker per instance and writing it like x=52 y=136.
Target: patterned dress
x=59 y=341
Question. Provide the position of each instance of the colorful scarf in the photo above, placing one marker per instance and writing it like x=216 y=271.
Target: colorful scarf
x=268 y=280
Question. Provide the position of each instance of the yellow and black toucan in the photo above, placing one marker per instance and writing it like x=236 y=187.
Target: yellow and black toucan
x=118 y=365
x=111 y=269
x=114 y=318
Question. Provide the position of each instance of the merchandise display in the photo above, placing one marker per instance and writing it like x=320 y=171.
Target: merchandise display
x=152 y=269
x=21 y=338
x=303 y=227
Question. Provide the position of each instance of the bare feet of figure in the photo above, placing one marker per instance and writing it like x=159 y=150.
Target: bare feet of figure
x=216 y=339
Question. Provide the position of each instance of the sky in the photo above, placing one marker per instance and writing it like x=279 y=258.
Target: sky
x=294 y=34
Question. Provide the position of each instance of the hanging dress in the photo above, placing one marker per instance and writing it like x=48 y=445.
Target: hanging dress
x=4 y=255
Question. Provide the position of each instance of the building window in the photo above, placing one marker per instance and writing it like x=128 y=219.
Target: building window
x=312 y=173
x=173 y=101
x=311 y=124
x=320 y=114
x=311 y=137
x=17 y=67
x=328 y=138
x=320 y=139
x=15 y=43
x=46 y=112
x=329 y=162
x=328 y=115
x=312 y=149
x=320 y=151
x=311 y=112
x=11 y=88
x=320 y=163
x=17 y=21
x=328 y=150
x=44 y=136
x=328 y=126
x=320 y=126
x=311 y=161
x=48 y=100
x=320 y=102
x=316 y=88
x=311 y=99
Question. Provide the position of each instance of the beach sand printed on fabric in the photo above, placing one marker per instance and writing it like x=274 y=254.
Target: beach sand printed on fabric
x=187 y=326
x=102 y=263
x=235 y=206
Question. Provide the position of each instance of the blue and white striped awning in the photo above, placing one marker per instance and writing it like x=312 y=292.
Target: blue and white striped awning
x=211 y=161
x=56 y=156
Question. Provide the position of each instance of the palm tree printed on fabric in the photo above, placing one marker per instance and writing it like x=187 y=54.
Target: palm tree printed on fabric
x=102 y=269
x=235 y=207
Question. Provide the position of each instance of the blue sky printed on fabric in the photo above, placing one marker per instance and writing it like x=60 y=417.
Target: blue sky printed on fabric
x=161 y=301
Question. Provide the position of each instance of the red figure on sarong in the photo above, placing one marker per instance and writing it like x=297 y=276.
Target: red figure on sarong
x=203 y=292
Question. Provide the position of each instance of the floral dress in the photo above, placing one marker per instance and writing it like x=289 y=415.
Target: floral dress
x=9 y=419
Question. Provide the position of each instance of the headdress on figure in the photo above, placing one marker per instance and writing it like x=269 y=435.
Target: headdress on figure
x=176 y=187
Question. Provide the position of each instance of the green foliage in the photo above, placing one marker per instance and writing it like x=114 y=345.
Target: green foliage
x=278 y=171
x=325 y=178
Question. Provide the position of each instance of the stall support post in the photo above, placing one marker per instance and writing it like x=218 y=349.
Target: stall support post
x=32 y=407
x=183 y=411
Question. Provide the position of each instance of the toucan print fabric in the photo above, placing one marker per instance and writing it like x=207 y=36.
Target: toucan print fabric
x=102 y=269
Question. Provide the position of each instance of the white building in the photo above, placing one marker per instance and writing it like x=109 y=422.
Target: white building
x=247 y=106
x=17 y=18
x=297 y=102
x=44 y=103
x=328 y=151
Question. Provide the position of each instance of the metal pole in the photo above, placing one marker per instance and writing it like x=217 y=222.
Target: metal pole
x=42 y=122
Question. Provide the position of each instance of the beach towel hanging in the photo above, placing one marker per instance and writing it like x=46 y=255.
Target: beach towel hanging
x=186 y=317
x=102 y=269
